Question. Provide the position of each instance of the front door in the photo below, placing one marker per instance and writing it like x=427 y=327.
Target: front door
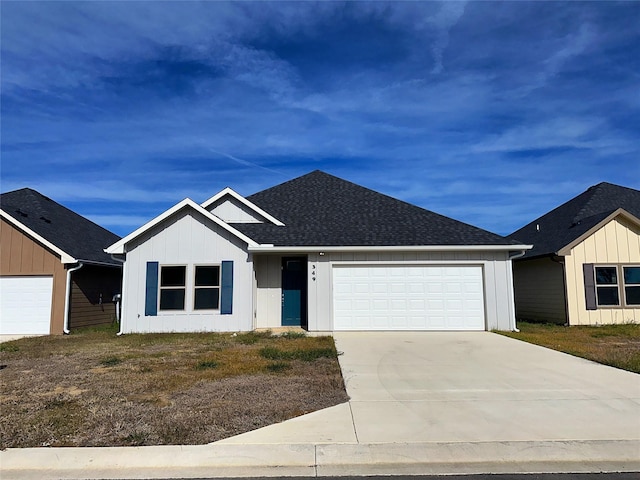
x=294 y=291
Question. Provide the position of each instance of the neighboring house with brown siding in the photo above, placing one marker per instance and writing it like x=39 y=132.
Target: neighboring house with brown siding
x=584 y=268
x=54 y=274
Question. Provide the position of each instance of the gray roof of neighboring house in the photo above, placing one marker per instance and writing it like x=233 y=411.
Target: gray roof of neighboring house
x=68 y=231
x=319 y=209
x=569 y=221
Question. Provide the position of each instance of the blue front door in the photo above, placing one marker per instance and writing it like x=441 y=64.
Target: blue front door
x=294 y=291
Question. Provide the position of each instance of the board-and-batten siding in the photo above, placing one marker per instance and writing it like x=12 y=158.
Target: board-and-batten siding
x=232 y=211
x=268 y=290
x=616 y=242
x=186 y=239
x=499 y=310
x=22 y=256
x=539 y=290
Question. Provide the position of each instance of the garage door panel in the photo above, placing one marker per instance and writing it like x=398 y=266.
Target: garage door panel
x=25 y=305
x=402 y=297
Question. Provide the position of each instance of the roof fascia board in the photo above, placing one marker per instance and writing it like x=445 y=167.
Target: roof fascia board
x=263 y=248
x=228 y=191
x=119 y=247
x=65 y=258
x=621 y=212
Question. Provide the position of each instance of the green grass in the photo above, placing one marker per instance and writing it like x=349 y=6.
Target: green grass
x=614 y=345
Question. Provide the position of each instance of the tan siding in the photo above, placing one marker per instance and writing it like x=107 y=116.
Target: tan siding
x=87 y=284
x=616 y=242
x=21 y=255
x=539 y=290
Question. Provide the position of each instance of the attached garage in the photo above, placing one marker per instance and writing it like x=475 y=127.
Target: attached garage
x=25 y=305
x=408 y=297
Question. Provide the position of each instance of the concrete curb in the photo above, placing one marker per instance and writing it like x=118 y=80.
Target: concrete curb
x=219 y=460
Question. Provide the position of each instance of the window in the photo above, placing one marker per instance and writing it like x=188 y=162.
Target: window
x=172 y=287
x=607 y=286
x=631 y=285
x=206 y=294
x=207 y=289
x=617 y=285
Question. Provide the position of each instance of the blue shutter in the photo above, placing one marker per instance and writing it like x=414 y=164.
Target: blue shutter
x=226 y=293
x=151 y=296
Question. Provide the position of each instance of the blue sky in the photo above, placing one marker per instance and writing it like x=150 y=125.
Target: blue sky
x=491 y=113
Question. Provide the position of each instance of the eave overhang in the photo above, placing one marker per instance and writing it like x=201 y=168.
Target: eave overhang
x=621 y=212
x=264 y=248
x=65 y=258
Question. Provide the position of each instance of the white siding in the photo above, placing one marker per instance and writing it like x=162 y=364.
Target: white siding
x=539 y=290
x=187 y=239
x=616 y=242
x=499 y=310
x=269 y=290
x=232 y=211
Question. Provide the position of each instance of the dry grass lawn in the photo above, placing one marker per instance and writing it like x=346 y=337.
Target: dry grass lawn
x=614 y=345
x=95 y=389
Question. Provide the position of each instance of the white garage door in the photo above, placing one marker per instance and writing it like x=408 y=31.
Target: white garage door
x=25 y=305
x=408 y=297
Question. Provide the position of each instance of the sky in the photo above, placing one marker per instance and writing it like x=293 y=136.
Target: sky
x=492 y=113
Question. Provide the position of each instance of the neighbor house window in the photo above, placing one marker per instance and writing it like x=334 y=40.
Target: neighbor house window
x=206 y=295
x=631 y=278
x=172 y=287
x=607 y=286
x=617 y=285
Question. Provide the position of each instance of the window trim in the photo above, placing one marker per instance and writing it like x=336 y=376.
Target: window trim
x=173 y=287
x=620 y=284
x=195 y=287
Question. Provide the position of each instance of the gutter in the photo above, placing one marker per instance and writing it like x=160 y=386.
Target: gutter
x=67 y=299
x=267 y=248
x=122 y=295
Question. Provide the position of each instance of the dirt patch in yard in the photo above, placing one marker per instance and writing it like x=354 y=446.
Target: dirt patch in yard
x=96 y=389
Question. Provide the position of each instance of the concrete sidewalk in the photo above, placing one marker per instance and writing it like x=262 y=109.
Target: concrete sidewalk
x=420 y=403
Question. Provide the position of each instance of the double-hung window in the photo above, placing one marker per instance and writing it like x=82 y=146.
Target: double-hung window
x=172 y=287
x=631 y=279
x=206 y=294
x=189 y=288
x=617 y=285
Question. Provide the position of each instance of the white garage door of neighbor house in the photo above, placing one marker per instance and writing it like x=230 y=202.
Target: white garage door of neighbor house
x=408 y=297
x=25 y=305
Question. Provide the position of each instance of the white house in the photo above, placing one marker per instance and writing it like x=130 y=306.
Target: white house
x=317 y=252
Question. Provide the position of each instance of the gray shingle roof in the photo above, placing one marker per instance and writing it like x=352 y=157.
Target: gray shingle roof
x=566 y=223
x=319 y=209
x=70 y=232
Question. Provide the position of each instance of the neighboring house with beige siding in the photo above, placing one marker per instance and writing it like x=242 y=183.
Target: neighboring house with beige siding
x=316 y=252
x=584 y=268
x=54 y=274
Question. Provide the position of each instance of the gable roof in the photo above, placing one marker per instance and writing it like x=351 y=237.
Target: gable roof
x=571 y=220
x=319 y=209
x=72 y=236
x=228 y=192
x=187 y=203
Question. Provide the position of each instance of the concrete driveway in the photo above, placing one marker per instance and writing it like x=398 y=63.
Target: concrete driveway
x=421 y=403
x=465 y=387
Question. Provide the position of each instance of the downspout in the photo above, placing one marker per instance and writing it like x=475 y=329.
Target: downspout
x=513 y=297
x=122 y=295
x=67 y=299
